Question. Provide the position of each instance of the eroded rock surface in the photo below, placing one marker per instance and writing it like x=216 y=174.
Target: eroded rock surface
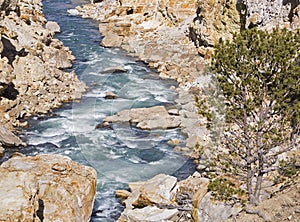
x=149 y=214
x=46 y=188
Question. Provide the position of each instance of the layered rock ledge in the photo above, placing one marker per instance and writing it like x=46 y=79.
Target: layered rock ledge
x=46 y=188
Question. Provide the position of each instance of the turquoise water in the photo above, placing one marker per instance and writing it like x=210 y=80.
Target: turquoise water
x=123 y=153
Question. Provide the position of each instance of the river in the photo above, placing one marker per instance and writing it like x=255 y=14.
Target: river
x=123 y=153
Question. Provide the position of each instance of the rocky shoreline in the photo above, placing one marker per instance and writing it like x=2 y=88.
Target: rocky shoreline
x=32 y=80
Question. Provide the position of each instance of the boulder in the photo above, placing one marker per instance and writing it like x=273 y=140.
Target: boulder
x=110 y=95
x=156 y=117
x=160 y=189
x=111 y=40
x=46 y=187
x=52 y=27
x=114 y=69
x=148 y=214
x=73 y=12
x=209 y=210
x=7 y=138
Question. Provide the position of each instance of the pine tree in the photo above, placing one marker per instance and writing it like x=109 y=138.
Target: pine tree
x=259 y=75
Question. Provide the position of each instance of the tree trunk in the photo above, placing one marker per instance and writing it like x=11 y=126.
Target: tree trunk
x=249 y=180
x=260 y=170
x=257 y=189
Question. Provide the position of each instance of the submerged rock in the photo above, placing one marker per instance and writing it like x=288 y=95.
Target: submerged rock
x=114 y=69
x=46 y=187
x=110 y=95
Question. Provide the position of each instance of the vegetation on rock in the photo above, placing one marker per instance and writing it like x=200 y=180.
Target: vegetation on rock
x=258 y=73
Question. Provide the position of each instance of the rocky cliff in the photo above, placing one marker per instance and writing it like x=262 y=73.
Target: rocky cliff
x=221 y=19
x=31 y=61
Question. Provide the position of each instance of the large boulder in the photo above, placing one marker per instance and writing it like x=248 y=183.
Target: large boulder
x=46 y=188
x=140 y=203
x=160 y=190
x=156 y=117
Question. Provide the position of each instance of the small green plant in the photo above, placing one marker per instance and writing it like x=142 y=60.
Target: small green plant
x=224 y=189
x=204 y=110
x=199 y=149
x=288 y=168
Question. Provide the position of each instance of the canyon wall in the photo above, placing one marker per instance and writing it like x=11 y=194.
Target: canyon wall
x=32 y=80
x=217 y=19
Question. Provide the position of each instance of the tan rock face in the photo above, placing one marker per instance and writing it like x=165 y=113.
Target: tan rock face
x=221 y=19
x=172 y=11
x=214 y=20
x=46 y=187
x=268 y=14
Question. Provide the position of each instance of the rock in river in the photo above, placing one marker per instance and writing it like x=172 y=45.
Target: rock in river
x=46 y=187
x=156 y=117
x=7 y=138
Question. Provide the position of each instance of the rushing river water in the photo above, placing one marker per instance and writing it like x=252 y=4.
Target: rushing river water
x=121 y=154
